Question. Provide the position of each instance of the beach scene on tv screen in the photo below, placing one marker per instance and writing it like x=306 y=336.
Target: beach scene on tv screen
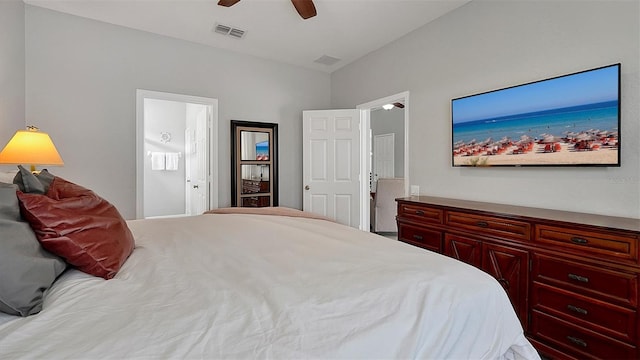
x=569 y=120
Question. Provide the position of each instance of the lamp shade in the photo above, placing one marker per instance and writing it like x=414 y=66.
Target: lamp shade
x=31 y=147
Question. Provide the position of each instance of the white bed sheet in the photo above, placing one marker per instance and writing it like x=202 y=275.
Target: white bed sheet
x=256 y=286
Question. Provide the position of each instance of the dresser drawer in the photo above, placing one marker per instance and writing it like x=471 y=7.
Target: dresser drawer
x=414 y=235
x=595 y=243
x=585 y=344
x=489 y=225
x=425 y=215
x=608 y=285
x=612 y=320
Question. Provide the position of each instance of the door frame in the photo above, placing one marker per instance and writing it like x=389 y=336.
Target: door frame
x=365 y=150
x=212 y=144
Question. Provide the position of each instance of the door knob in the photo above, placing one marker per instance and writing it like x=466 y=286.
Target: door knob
x=307 y=187
x=196 y=186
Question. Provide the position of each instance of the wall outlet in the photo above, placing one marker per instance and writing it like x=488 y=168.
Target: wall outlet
x=415 y=190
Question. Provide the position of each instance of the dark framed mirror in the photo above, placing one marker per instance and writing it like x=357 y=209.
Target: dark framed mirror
x=254 y=164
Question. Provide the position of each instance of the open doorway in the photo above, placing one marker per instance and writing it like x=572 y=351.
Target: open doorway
x=336 y=162
x=176 y=155
x=384 y=151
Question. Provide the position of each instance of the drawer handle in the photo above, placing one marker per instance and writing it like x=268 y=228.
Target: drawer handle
x=482 y=224
x=577 y=341
x=579 y=241
x=420 y=212
x=577 y=309
x=578 y=278
x=417 y=237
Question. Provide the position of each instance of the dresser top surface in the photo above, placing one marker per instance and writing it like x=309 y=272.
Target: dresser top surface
x=530 y=212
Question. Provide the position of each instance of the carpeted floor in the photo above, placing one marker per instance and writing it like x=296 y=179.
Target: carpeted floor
x=390 y=235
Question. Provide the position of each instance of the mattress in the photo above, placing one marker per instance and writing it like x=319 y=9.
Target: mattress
x=241 y=286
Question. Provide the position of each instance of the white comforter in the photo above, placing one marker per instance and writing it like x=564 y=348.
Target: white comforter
x=256 y=286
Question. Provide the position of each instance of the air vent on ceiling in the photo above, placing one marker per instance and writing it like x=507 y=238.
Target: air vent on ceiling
x=326 y=60
x=228 y=30
x=236 y=33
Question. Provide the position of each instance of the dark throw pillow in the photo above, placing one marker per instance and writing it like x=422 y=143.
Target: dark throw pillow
x=79 y=226
x=26 y=269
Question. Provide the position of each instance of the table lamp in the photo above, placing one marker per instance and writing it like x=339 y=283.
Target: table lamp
x=32 y=147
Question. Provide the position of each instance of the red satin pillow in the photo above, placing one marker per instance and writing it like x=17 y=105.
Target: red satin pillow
x=79 y=226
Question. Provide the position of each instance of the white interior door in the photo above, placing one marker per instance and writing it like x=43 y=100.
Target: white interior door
x=383 y=157
x=196 y=164
x=331 y=164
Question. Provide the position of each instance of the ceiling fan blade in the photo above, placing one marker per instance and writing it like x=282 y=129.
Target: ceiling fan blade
x=305 y=8
x=398 y=105
x=227 y=3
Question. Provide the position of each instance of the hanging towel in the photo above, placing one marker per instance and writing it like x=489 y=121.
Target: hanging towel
x=171 y=162
x=157 y=160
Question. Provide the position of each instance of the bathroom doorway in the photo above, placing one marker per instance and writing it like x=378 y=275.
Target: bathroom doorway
x=176 y=154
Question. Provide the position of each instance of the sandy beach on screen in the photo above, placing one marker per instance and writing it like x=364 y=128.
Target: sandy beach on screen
x=567 y=155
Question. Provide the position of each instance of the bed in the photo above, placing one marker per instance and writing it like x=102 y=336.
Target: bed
x=240 y=286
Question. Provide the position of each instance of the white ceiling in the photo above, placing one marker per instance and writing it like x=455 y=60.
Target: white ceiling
x=344 y=29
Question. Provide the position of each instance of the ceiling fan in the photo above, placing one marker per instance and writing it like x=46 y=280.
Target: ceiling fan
x=390 y=106
x=305 y=8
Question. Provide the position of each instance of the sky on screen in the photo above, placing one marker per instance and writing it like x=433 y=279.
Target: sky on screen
x=576 y=89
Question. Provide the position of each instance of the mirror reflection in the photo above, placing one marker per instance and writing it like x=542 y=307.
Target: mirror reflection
x=256 y=201
x=255 y=179
x=254 y=145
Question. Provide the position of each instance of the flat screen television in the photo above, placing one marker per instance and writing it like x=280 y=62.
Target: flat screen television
x=569 y=120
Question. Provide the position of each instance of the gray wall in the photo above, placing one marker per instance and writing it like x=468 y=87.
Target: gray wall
x=387 y=122
x=11 y=71
x=490 y=44
x=81 y=81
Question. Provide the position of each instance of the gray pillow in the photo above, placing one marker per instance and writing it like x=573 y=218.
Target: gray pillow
x=7 y=176
x=26 y=269
x=33 y=183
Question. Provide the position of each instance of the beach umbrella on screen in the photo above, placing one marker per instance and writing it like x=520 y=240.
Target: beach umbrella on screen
x=549 y=139
x=458 y=144
x=571 y=134
x=584 y=136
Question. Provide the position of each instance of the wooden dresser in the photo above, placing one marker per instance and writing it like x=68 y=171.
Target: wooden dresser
x=257 y=187
x=572 y=277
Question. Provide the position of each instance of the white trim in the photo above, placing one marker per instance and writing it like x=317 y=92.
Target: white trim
x=365 y=149
x=212 y=140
